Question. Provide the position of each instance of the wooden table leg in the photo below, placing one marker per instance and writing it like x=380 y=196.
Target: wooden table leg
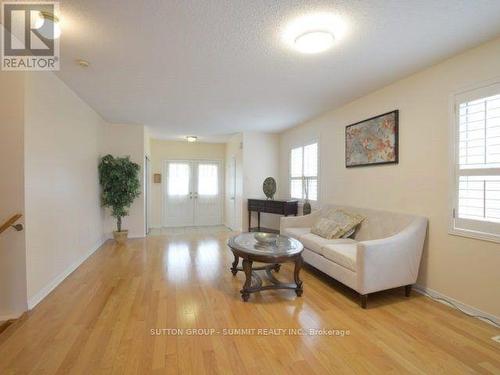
x=296 y=272
x=247 y=267
x=234 y=268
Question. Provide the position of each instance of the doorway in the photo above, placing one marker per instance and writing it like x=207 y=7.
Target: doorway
x=231 y=203
x=147 y=190
x=192 y=193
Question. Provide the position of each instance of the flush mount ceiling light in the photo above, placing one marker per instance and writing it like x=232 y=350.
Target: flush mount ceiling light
x=192 y=138
x=314 y=33
x=314 y=41
x=83 y=63
x=48 y=25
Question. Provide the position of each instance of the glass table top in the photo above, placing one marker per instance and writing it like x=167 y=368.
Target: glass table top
x=266 y=244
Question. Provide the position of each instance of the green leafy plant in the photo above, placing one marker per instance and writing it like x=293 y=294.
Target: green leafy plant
x=119 y=178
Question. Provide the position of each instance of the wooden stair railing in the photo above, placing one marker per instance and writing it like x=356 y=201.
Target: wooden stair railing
x=10 y=223
x=10 y=322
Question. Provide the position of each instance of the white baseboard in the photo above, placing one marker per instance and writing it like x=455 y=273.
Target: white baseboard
x=468 y=309
x=109 y=236
x=44 y=292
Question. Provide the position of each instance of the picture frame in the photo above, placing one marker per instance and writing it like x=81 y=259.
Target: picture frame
x=374 y=141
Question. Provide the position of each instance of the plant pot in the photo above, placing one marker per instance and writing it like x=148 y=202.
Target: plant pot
x=120 y=237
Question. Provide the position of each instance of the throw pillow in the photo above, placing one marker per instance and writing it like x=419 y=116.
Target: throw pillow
x=350 y=233
x=325 y=228
x=346 y=221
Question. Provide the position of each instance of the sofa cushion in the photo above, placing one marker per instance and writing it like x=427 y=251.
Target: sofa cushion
x=295 y=232
x=344 y=254
x=378 y=223
x=381 y=225
x=316 y=243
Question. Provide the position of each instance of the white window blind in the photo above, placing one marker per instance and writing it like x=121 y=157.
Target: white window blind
x=479 y=143
x=304 y=172
x=477 y=162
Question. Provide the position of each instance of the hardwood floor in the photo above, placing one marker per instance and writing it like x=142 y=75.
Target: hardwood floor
x=100 y=320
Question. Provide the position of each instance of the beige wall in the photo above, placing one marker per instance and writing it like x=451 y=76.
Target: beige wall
x=464 y=269
x=256 y=155
x=53 y=144
x=162 y=150
x=260 y=160
x=64 y=221
x=12 y=243
x=233 y=203
x=147 y=142
x=147 y=184
x=127 y=140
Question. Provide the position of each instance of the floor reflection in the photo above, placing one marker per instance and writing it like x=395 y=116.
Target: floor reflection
x=208 y=259
x=203 y=262
x=178 y=261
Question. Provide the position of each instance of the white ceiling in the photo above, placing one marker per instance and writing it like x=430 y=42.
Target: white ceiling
x=212 y=68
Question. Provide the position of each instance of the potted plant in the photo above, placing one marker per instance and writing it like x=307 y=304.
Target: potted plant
x=119 y=179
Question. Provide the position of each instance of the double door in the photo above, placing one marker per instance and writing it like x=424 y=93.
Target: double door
x=192 y=193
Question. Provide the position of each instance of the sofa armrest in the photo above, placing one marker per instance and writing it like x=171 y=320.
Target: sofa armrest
x=306 y=221
x=393 y=261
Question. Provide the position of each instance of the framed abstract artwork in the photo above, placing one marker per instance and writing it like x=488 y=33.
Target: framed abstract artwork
x=372 y=141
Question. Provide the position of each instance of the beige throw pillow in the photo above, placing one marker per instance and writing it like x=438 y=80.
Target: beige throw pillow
x=336 y=224
x=350 y=233
x=345 y=220
x=325 y=228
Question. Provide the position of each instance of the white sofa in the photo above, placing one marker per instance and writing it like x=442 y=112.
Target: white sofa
x=384 y=253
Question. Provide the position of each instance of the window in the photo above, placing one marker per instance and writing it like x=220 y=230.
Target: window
x=208 y=176
x=304 y=172
x=178 y=179
x=476 y=209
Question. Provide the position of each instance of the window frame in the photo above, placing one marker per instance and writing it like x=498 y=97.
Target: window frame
x=476 y=229
x=302 y=178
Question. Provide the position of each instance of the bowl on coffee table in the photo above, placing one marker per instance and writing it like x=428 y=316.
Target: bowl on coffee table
x=265 y=238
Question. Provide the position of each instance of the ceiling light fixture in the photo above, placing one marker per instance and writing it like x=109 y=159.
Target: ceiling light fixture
x=83 y=63
x=314 y=41
x=48 y=25
x=192 y=138
x=314 y=33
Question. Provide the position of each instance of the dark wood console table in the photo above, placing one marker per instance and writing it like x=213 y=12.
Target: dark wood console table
x=286 y=208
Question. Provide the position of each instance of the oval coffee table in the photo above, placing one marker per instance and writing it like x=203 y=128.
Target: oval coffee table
x=281 y=249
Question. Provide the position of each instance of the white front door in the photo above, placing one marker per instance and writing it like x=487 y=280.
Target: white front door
x=207 y=194
x=178 y=194
x=192 y=193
